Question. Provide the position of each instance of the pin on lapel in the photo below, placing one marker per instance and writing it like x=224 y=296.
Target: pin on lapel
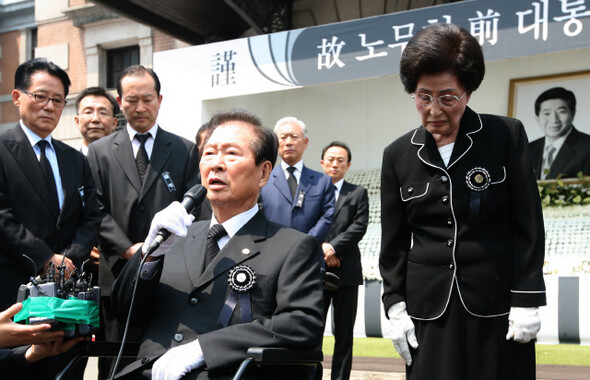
x=245 y=251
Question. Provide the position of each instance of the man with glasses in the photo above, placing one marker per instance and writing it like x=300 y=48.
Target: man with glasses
x=48 y=210
x=96 y=112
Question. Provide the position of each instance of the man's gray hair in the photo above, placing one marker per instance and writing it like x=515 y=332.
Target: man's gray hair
x=291 y=119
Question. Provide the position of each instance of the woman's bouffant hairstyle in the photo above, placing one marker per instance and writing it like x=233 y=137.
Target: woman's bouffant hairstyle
x=441 y=48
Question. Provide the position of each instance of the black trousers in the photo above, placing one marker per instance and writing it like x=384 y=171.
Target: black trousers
x=344 y=305
x=459 y=346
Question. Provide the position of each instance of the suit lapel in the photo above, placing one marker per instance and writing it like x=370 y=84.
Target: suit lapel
x=194 y=251
x=305 y=180
x=124 y=155
x=20 y=147
x=342 y=197
x=241 y=247
x=280 y=182
x=160 y=153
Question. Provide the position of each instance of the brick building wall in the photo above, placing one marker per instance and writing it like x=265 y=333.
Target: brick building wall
x=9 y=43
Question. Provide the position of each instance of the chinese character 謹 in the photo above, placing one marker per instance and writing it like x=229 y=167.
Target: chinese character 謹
x=223 y=69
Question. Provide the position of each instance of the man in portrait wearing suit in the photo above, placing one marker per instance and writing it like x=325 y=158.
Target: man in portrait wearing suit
x=295 y=195
x=342 y=254
x=96 y=112
x=139 y=170
x=206 y=298
x=564 y=151
x=48 y=208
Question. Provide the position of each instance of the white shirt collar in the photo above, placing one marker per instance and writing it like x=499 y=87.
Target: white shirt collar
x=233 y=225
x=132 y=132
x=33 y=137
x=339 y=184
x=298 y=166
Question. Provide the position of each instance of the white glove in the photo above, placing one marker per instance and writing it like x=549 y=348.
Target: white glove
x=524 y=324
x=173 y=218
x=401 y=331
x=178 y=361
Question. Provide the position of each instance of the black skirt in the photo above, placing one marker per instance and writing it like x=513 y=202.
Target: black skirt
x=460 y=346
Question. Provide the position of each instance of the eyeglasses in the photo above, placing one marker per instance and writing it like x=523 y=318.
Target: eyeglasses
x=444 y=100
x=44 y=99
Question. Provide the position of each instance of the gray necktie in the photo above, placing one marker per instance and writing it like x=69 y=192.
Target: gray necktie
x=141 y=160
x=292 y=181
x=213 y=235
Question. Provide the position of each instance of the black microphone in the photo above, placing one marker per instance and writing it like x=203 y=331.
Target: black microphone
x=191 y=199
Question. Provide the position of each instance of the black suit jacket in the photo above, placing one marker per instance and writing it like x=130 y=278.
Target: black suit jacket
x=184 y=299
x=126 y=205
x=27 y=223
x=573 y=157
x=351 y=217
x=438 y=231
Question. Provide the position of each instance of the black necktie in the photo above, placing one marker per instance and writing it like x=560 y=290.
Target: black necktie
x=292 y=181
x=215 y=233
x=141 y=160
x=49 y=178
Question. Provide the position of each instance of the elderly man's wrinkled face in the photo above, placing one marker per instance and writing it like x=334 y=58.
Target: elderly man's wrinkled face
x=292 y=143
x=229 y=171
x=555 y=118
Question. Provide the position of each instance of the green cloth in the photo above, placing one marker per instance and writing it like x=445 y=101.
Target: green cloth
x=70 y=311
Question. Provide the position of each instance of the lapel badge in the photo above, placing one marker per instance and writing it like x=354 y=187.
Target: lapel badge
x=478 y=179
x=241 y=278
x=245 y=251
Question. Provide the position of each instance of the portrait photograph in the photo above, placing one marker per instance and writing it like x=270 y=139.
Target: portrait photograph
x=554 y=110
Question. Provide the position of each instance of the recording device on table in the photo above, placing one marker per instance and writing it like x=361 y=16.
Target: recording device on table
x=55 y=284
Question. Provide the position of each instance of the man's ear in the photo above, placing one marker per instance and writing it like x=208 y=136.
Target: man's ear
x=266 y=169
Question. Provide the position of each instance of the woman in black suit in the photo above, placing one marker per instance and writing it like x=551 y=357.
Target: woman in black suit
x=462 y=226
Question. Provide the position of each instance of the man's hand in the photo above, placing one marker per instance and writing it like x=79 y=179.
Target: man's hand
x=178 y=361
x=173 y=218
x=330 y=256
x=42 y=350
x=94 y=258
x=15 y=334
x=524 y=324
x=59 y=260
x=401 y=331
x=129 y=252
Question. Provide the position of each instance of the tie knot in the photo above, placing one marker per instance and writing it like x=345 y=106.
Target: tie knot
x=291 y=169
x=216 y=232
x=142 y=138
x=42 y=145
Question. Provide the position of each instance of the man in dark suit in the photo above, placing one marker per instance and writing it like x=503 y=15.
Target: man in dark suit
x=262 y=287
x=342 y=254
x=564 y=151
x=296 y=196
x=48 y=209
x=139 y=170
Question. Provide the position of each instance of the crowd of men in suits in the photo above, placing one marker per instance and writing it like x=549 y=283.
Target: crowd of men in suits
x=103 y=206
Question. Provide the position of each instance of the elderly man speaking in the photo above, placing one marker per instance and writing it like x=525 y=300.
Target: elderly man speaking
x=203 y=309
